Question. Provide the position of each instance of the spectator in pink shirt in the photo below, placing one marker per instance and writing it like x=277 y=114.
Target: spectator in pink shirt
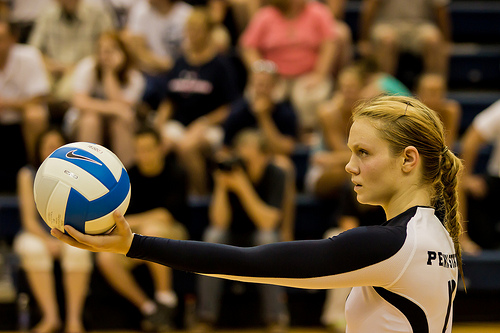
x=299 y=36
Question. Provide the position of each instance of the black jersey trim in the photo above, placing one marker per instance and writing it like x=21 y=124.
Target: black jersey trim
x=452 y=285
x=413 y=313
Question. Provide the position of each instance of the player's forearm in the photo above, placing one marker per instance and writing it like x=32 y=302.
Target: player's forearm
x=325 y=59
x=471 y=145
x=112 y=88
x=163 y=115
x=250 y=55
x=218 y=115
x=150 y=62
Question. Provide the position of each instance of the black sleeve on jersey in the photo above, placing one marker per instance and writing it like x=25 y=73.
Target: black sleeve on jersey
x=351 y=250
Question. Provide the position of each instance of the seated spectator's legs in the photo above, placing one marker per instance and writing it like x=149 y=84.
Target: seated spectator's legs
x=325 y=182
x=76 y=265
x=117 y=270
x=122 y=138
x=35 y=121
x=306 y=97
x=37 y=261
x=386 y=47
x=162 y=275
x=192 y=149
x=273 y=297
x=210 y=289
x=89 y=127
x=434 y=49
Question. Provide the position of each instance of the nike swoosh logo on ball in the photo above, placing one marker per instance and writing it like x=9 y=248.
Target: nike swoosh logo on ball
x=71 y=154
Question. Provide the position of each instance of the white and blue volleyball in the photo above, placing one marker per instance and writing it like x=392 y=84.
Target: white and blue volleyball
x=81 y=184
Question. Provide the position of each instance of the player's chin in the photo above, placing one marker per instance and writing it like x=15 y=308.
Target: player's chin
x=362 y=197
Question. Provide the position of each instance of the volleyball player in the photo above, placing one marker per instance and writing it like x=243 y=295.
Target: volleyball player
x=404 y=272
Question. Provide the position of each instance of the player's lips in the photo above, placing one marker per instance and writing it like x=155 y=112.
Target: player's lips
x=356 y=184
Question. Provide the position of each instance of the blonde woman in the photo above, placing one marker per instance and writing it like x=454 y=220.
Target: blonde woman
x=404 y=272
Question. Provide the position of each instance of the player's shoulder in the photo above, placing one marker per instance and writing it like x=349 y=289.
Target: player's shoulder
x=415 y=213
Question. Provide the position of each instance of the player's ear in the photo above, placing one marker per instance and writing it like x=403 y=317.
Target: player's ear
x=410 y=159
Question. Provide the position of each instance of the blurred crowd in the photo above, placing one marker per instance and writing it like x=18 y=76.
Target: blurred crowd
x=214 y=98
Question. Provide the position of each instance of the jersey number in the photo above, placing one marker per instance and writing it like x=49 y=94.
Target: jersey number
x=451 y=289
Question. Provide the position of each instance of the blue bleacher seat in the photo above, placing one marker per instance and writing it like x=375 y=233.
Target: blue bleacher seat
x=476 y=21
x=475 y=66
x=472 y=21
x=9 y=218
x=482 y=272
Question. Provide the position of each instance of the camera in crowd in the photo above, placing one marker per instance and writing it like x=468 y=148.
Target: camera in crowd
x=230 y=163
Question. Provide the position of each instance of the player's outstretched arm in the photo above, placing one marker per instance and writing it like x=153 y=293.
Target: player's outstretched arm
x=118 y=241
x=357 y=257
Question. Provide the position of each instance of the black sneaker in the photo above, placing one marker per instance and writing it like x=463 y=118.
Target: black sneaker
x=159 y=321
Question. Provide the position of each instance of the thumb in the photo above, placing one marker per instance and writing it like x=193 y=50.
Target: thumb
x=121 y=223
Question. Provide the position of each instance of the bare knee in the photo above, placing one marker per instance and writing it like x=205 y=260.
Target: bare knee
x=431 y=40
x=89 y=120
x=386 y=37
x=36 y=114
x=344 y=35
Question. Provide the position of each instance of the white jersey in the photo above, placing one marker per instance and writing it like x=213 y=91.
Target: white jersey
x=404 y=272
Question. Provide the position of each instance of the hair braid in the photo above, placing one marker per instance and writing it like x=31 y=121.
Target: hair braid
x=451 y=166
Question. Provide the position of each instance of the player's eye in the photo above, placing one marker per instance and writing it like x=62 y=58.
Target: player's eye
x=362 y=152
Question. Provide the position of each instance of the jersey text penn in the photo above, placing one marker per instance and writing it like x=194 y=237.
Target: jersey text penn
x=444 y=260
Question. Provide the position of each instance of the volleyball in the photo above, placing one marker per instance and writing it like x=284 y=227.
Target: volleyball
x=81 y=184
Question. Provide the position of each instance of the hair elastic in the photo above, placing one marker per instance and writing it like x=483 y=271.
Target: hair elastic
x=444 y=150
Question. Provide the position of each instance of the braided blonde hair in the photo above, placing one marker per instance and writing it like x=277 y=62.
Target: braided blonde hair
x=405 y=121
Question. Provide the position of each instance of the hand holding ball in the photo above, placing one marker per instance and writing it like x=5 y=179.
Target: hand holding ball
x=81 y=184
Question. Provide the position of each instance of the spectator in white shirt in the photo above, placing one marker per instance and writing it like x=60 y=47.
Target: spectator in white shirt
x=23 y=88
x=107 y=87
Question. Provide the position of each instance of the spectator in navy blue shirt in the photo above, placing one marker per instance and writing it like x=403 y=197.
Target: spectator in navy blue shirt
x=198 y=92
x=277 y=121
